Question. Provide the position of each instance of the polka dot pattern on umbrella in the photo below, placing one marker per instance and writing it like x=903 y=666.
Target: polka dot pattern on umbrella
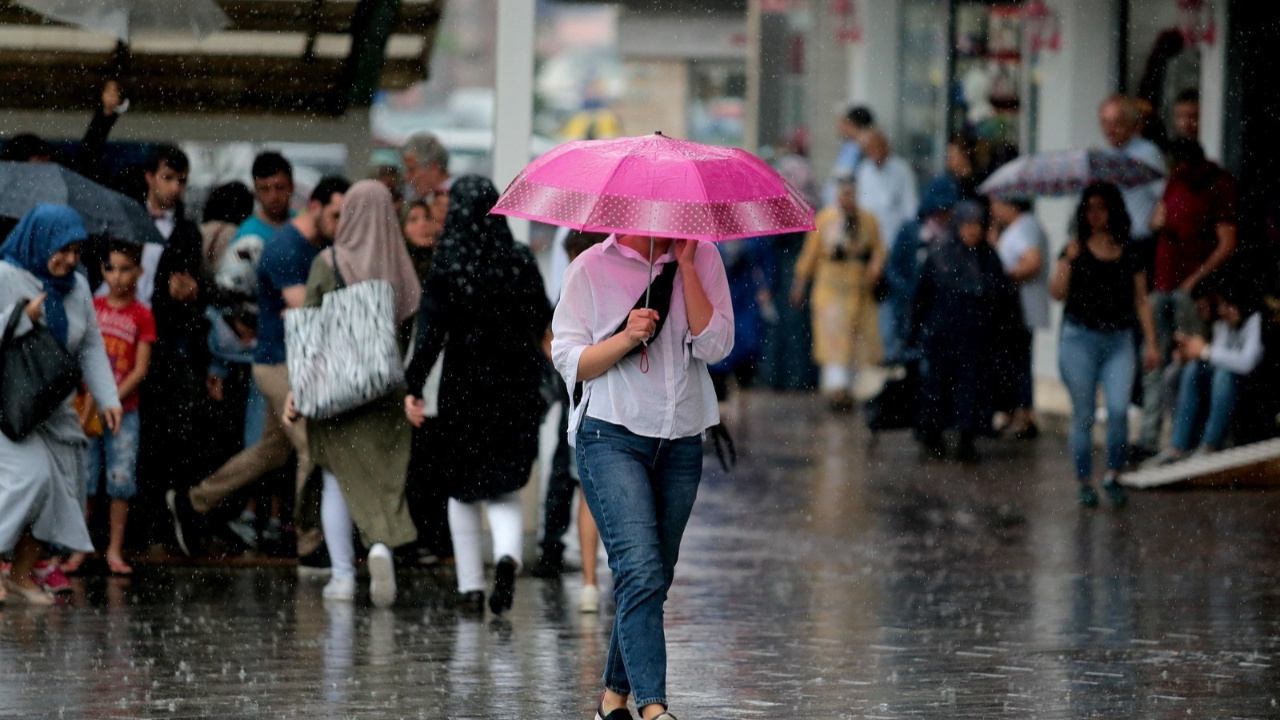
x=654 y=185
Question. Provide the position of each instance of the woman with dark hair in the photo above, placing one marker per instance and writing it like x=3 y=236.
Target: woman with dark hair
x=428 y=501
x=421 y=233
x=1104 y=286
x=228 y=206
x=965 y=310
x=1213 y=371
x=485 y=308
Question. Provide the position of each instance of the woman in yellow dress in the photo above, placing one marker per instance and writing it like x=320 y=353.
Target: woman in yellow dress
x=843 y=257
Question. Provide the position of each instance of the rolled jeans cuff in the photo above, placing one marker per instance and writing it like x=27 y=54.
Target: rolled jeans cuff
x=641 y=702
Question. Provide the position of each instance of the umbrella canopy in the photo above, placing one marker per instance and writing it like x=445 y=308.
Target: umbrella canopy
x=657 y=186
x=105 y=211
x=1066 y=172
x=123 y=18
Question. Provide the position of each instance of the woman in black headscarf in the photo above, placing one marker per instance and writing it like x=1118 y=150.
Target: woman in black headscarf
x=964 y=308
x=485 y=308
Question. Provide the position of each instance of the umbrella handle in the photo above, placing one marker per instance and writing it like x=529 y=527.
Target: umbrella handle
x=649 y=285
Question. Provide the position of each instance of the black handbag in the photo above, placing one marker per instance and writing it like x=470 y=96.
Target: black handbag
x=36 y=376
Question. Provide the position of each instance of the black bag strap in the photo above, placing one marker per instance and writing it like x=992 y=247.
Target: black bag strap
x=659 y=299
x=333 y=255
x=15 y=317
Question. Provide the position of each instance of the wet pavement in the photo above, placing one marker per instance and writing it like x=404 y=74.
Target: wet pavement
x=828 y=576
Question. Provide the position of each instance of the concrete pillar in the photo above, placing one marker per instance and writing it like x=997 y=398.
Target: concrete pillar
x=875 y=62
x=755 y=52
x=1213 y=87
x=826 y=89
x=513 y=89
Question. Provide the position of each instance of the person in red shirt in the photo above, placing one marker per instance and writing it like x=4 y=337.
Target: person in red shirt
x=1196 y=225
x=128 y=331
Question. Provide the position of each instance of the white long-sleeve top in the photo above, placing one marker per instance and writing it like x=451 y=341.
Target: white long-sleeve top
x=889 y=192
x=675 y=398
x=1238 y=350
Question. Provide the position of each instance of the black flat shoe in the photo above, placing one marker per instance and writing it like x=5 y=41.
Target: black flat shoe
x=1115 y=492
x=619 y=714
x=504 y=586
x=469 y=603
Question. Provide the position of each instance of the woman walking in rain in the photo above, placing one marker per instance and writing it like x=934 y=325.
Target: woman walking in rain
x=1104 y=288
x=644 y=401
x=364 y=453
x=843 y=257
x=486 y=310
x=42 y=487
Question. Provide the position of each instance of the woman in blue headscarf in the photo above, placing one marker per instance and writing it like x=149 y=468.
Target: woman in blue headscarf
x=42 y=483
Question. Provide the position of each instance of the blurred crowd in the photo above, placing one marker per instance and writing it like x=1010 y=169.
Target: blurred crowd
x=193 y=441
x=1166 y=305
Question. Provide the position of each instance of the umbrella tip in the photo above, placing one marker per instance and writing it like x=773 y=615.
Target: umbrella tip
x=658 y=132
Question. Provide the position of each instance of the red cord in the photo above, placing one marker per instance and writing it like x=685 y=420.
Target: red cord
x=644 y=359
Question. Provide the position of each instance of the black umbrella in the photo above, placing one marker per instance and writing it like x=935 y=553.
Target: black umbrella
x=24 y=185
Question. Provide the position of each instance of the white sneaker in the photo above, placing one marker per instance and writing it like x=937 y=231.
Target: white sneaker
x=1166 y=456
x=382 y=576
x=589 y=599
x=342 y=589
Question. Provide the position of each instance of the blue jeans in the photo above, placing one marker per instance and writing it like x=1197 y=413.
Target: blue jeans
x=1173 y=311
x=640 y=491
x=1197 y=378
x=1085 y=359
x=117 y=454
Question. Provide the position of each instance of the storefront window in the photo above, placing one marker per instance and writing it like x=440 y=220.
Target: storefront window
x=987 y=75
x=923 y=132
x=717 y=102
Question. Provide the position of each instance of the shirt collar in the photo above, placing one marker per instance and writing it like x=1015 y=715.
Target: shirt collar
x=626 y=252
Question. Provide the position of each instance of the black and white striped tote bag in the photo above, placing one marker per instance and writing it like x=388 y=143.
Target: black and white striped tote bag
x=344 y=353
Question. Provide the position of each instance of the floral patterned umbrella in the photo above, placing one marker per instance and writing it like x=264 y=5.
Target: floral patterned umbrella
x=1066 y=172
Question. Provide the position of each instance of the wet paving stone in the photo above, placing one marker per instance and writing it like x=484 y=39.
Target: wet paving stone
x=829 y=575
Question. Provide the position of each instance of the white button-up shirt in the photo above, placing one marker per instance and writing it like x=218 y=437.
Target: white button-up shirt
x=889 y=193
x=675 y=398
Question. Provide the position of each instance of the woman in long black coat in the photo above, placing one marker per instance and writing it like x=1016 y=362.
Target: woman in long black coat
x=484 y=307
x=964 y=309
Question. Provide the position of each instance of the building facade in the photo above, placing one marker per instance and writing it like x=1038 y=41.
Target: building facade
x=1025 y=76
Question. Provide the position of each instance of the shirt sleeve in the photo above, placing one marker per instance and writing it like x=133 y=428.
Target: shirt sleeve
x=572 y=323
x=1240 y=357
x=716 y=340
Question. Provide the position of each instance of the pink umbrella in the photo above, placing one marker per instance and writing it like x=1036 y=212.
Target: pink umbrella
x=658 y=186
